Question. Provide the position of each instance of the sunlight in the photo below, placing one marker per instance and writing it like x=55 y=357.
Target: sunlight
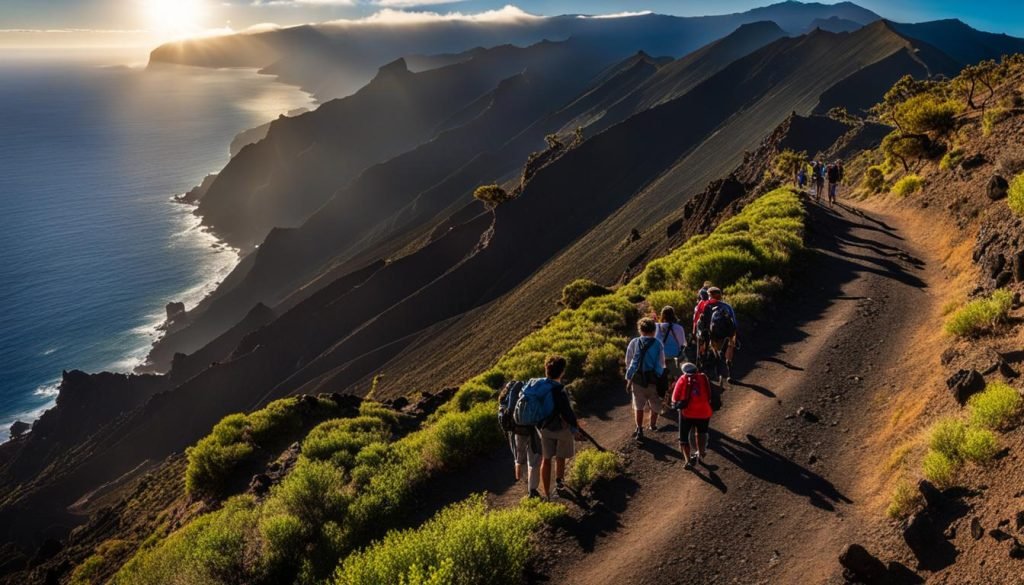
x=175 y=17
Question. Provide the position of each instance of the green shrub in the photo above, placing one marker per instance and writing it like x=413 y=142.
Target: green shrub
x=492 y=195
x=979 y=445
x=1015 y=197
x=951 y=159
x=991 y=118
x=906 y=498
x=591 y=466
x=939 y=468
x=89 y=572
x=980 y=315
x=947 y=436
x=340 y=440
x=908 y=185
x=928 y=114
x=996 y=407
x=874 y=179
x=580 y=290
x=465 y=544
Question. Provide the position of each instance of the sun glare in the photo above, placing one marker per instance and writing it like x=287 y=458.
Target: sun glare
x=175 y=17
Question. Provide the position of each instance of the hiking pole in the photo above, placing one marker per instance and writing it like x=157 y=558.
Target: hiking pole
x=587 y=436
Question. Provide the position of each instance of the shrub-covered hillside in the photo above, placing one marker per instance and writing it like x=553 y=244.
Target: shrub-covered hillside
x=360 y=473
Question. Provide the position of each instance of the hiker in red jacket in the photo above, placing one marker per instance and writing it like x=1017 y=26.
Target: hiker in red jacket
x=692 y=398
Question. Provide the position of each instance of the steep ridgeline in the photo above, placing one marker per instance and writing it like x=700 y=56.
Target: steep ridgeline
x=385 y=207
x=441 y=310
x=335 y=59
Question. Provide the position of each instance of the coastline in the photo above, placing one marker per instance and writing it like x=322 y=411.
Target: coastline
x=141 y=333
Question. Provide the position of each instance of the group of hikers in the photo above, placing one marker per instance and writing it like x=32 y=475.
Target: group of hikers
x=669 y=367
x=817 y=173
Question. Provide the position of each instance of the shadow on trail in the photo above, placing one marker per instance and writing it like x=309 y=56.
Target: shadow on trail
x=609 y=500
x=710 y=477
x=821 y=275
x=761 y=462
x=756 y=388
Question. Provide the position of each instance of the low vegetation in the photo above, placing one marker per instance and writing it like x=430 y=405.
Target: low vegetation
x=591 y=466
x=908 y=185
x=1015 y=196
x=996 y=407
x=980 y=315
x=939 y=468
x=238 y=437
x=951 y=159
x=580 y=290
x=492 y=195
x=906 y=498
x=874 y=179
x=465 y=544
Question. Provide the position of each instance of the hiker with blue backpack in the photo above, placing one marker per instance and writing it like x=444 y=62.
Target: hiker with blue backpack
x=645 y=366
x=544 y=404
x=523 y=440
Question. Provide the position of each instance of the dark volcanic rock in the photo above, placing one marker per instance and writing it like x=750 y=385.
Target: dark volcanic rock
x=997 y=188
x=999 y=534
x=976 y=529
x=1016 y=550
x=932 y=496
x=863 y=565
x=260 y=484
x=1019 y=521
x=1004 y=279
x=1018 y=266
x=19 y=428
x=175 y=310
x=964 y=384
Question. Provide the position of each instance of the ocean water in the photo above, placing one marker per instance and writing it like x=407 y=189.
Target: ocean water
x=91 y=244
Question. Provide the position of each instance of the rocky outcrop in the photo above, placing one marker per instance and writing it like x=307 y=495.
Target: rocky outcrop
x=999 y=248
x=998 y=187
x=19 y=428
x=964 y=384
x=175 y=311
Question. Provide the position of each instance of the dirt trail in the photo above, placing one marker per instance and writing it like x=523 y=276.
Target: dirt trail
x=778 y=498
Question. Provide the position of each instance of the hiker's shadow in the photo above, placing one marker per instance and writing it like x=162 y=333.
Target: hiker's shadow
x=756 y=459
x=608 y=501
x=660 y=451
x=706 y=473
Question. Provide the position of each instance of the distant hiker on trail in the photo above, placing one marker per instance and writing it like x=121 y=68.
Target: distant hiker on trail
x=545 y=404
x=835 y=175
x=717 y=331
x=524 y=440
x=645 y=363
x=673 y=337
x=801 y=177
x=692 y=398
x=819 y=179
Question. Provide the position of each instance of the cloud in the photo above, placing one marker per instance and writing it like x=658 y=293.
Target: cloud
x=390 y=16
x=411 y=3
x=618 y=14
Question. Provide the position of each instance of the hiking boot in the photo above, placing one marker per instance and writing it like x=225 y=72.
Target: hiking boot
x=638 y=435
x=653 y=428
x=559 y=484
x=534 y=494
x=688 y=464
x=694 y=459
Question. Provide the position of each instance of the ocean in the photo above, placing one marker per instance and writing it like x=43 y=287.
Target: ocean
x=92 y=246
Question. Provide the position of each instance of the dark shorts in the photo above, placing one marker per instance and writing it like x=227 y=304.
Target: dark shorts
x=686 y=424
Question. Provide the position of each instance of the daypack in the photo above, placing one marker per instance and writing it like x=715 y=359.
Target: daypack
x=833 y=174
x=507 y=406
x=641 y=376
x=536 y=403
x=722 y=325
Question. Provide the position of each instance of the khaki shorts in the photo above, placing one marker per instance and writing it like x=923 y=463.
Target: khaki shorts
x=646 y=397
x=525 y=454
x=560 y=443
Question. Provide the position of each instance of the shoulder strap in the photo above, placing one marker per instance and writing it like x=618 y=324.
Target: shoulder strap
x=642 y=353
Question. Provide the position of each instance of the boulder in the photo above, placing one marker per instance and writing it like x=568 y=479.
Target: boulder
x=998 y=187
x=19 y=428
x=932 y=496
x=998 y=534
x=260 y=484
x=1019 y=521
x=175 y=310
x=976 y=529
x=964 y=384
x=863 y=566
x=1016 y=550
x=1004 y=279
x=1017 y=266
x=920 y=534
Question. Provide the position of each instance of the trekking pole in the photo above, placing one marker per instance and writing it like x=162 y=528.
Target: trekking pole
x=587 y=436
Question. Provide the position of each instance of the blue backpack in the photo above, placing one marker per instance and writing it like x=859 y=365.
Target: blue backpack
x=536 y=403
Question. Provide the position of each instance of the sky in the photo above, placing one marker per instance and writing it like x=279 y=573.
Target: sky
x=64 y=24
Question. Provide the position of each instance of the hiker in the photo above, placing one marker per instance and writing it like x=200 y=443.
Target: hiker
x=835 y=175
x=692 y=398
x=645 y=363
x=801 y=177
x=673 y=338
x=524 y=440
x=819 y=179
x=544 y=403
x=715 y=323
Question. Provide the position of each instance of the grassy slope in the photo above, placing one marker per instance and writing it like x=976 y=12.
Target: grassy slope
x=351 y=483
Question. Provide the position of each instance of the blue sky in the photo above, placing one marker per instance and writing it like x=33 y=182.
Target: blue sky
x=143 y=20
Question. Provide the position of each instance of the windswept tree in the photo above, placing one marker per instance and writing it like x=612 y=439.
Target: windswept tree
x=978 y=79
x=492 y=195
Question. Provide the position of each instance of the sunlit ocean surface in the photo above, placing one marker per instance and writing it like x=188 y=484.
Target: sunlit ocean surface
x=91 y=245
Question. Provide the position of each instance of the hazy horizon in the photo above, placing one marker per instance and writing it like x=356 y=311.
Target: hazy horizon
x=134 y=28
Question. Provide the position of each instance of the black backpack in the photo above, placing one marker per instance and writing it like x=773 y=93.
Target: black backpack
x=722 y=325
x=507 y=406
